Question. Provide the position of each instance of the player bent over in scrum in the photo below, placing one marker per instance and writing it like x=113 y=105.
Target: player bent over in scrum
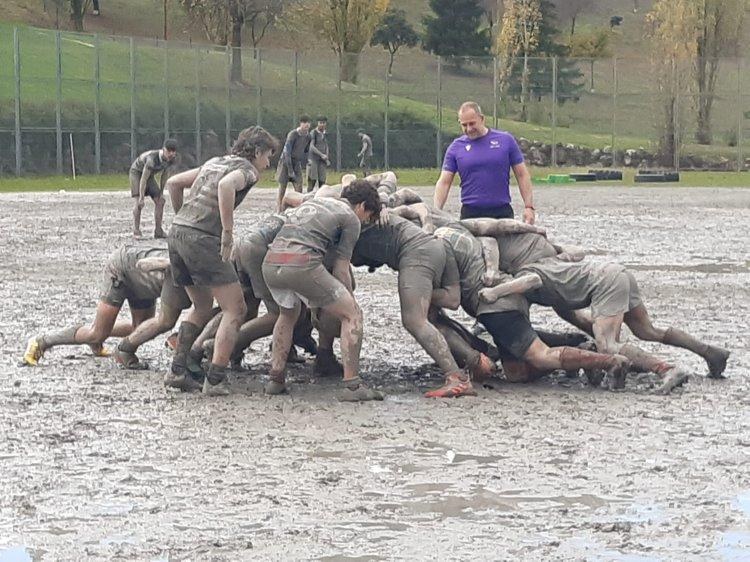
x=123 y=281
x=293 y=270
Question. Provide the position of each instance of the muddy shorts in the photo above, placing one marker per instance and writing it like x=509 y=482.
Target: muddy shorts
x=172 y=296
x=615 y=293
x=196 y=259
x=250 y=266
x=115 y=290
x=310 y=284
x=317 y=170
x=424 y=268
x=153 y=189
x=511 y=331
x=284 y=175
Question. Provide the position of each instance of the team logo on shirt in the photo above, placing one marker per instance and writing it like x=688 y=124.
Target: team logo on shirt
x=494 y=144
x=468 y=147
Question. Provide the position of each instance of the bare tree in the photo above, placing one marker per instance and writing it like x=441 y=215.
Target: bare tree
x=571 y=9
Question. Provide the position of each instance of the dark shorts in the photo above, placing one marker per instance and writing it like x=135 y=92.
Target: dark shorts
x=284 y=174
x=153 y=189
x=172 y=296
x=116 y=290
x=511 y=331
x=422 y=268
x=501 y=212
x=195 y=257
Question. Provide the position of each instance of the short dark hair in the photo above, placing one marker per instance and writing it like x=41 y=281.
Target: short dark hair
x=322 y=119
x=170 y=144
x=304 y=118
x=254 y=140
x=362 y=191
x=360 y=131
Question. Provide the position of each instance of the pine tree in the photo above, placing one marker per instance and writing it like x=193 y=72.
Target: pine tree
x=456 y=30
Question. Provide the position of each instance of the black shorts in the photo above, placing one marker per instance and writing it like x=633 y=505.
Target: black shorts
x=511 y=331
x=153 y=189
x=501 y=212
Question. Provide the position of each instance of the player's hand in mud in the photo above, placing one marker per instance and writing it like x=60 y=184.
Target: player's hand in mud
x=529 y=216
x=227 y=244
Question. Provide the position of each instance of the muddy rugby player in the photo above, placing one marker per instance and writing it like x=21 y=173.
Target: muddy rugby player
x=143 y=172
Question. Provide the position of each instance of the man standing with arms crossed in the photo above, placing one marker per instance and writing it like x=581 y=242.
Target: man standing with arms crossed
x=293 y=158
x=483 y=158
x=143 y=182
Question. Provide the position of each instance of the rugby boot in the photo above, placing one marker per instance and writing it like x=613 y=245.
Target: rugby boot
x=126 y=358
x=326 y=364
x=34 y=352
x=276 y=384
x=676 y=376
x=354 y=390
x=456 y=384
x=216 y=382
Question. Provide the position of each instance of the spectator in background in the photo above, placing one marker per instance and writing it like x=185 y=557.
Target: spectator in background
x=293 y=158
x=319 y=158
x=96 y=7
x=483 y=158
x=365 y=154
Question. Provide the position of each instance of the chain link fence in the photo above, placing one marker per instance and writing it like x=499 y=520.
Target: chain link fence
x=101 y=100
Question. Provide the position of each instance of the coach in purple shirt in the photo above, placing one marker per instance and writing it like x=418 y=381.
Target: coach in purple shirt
x=483 y=158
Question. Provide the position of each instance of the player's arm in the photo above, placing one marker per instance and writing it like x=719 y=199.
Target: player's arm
x=523 y=177
x=152 y=264
x=177 y=184
x=569 y=253
x=295 y=199
x=518 y=286
x=342 y=272
x=498 y=227
x=286 y=153
x=229 y=185
x=350 y=229
x=147 y=173
x=449 y=294
x=491 y=255
x=442 y=188
x=404 y=196
x=418 y=211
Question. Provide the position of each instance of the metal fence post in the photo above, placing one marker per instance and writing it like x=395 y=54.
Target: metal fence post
x=338 y=116
x=740 y=116
x=614 y=112
x=439 y=109
x=259 y=81
x=58 y=102
x=166 y=90
x=386 y=155
x=17 y=105
x=675 y=126
x=295 y=68
x=133 y=139
x=494 y=91
x=97 y=101
x=554 y=112
x=197 y=105
x=228 y=105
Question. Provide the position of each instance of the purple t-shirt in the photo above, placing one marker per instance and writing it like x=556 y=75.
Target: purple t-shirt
x=484 y=167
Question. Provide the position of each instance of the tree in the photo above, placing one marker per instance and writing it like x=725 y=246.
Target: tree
x=719 y=29
x=538 y=71
x=519 y=35
x=455 y=30
x=592 y=45
x=571 y=9
x=346 y=25
x=223 y=21
x=673 y=30
x=78 y=13
x=394 y=32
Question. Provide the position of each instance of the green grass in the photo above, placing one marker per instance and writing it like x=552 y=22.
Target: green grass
x=407 y=177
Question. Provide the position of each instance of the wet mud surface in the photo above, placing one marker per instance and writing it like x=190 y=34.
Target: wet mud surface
x=106 y=464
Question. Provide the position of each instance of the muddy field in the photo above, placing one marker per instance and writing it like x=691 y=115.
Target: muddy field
x=101 y=463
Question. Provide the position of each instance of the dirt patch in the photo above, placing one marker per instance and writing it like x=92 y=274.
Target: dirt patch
x=107 y=464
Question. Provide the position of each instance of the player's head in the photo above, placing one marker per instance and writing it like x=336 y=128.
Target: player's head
x=360 y=133
x=257 y=145
x=169 y=150
x=322 y=123
x=304 y=123
x=346 y=179
x=471 y=119
x=364 y=199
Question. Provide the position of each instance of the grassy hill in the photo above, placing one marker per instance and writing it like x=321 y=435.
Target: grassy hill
x=412 y=114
